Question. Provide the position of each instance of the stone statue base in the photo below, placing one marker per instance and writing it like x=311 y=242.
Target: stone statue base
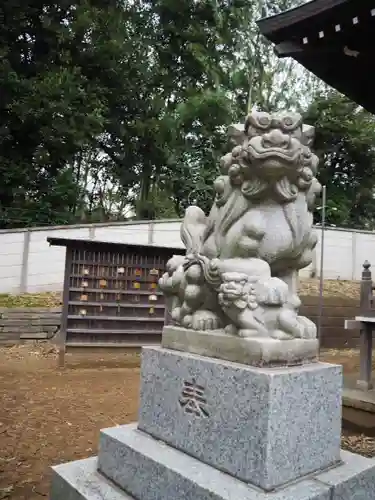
x=249 y=351
x=153 y=470
x=214 y=430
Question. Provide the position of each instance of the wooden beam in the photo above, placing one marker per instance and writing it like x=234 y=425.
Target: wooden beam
x=288 y=49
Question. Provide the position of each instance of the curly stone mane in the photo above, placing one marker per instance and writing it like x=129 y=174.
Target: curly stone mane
x=272 y=162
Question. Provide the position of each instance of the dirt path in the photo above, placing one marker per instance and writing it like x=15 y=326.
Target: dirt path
x=49 y=416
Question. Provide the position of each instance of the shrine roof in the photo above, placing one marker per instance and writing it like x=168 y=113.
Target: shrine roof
x=334 y=39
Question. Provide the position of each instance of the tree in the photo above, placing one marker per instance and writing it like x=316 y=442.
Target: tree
x=109 y=105
x=260 y=79
x=345 y=143
x=176 y=75
x=234 y=69
x=50 y=107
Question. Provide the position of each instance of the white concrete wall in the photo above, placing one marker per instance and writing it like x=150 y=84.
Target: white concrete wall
x=29 y=264
x=11 y=246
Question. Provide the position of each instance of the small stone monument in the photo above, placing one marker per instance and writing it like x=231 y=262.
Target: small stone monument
x=234 y=405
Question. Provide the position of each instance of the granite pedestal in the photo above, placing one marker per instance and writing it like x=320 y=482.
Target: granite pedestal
x=217 y=430
x=264 y=426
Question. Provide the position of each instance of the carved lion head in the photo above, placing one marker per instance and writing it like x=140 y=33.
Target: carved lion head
x=237 y=289
x=272 y=157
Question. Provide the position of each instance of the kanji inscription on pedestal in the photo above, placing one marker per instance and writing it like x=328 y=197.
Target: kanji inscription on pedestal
x=192 y=399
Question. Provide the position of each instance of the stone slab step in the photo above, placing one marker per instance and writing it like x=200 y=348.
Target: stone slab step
x=28 y=328
x=21 y=315
x=35 y=336
x=37 y=323
x=9 y=339
x=80 y=480
x=150 y=469
x=30 y=310
x=9 y=335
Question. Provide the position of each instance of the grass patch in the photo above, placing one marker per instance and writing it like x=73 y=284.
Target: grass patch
x=47 y=299
x=332 y=288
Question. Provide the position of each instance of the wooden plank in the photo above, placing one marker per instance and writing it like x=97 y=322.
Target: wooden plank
x=332 y=311
x=339 y=343
x=116 y=291
x=26 y=328
x=312 y=300
x=36 y=336
x=135 y=319
x=9 y=334
x=339 y=330
x=104 y=331
x=146 y=305
x=14 y=325
x=117 y=278
x=116 y=345
x=34 y=318
x=13 y=338
x=30 y=310
x=336 y=322
x=110 y=265
x=14 y=322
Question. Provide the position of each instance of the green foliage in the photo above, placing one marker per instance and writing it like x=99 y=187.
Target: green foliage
x=345 y=143
x=50 y=107
x=115 y=109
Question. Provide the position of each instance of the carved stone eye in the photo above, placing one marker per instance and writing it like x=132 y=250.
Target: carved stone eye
x=288 y=124
x=288 y=121
x=264 y=120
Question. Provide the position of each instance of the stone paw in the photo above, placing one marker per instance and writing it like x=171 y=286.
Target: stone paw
x=231 y=330
x=176 y=314
x=298 y=327
x=248 y=333
x=206 y=320
x=187 y=321
x=308 y=329
x=280 y=335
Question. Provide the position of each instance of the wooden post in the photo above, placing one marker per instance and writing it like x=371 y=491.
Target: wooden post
x=366 y=289
x=65 y=308
x=365 y=358
x=365 y=352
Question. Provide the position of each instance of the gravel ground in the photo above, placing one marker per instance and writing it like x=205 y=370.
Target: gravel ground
x=49 y=416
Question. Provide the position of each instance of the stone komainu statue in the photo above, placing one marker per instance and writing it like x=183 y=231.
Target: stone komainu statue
x=241 y=265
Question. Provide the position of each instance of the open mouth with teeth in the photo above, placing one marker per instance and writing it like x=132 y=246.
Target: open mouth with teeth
x=273 y=155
